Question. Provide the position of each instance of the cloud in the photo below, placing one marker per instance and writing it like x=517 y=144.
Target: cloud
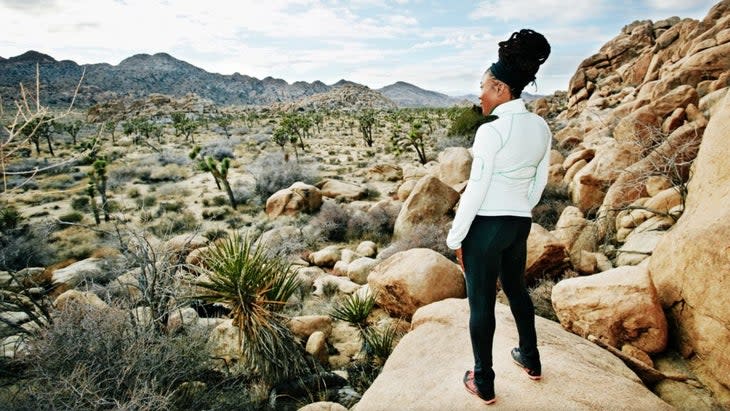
x=34 y=6
x=679 y=5
x=538 y=10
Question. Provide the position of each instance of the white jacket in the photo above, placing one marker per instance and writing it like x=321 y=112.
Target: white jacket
x=509 y=170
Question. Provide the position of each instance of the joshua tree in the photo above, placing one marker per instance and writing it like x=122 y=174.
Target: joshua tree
x=73 y=128
x=415 y=138
x=367 y=121
x=110 y=127
x=298 y=125
x=98 y=179
x=219 y=170
x=37 y=128
x=184 y=126
x=281 y=137
x=224 y=121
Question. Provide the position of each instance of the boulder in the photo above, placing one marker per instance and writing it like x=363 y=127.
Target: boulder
x=342 y=190
x=545 y=253
x=619 y=306
x=411 y=279
x=385 y=172
x=655 y=184
x=358 y=270
x=665 y=200
x=343 y=284
x=690 y=266
x=569 y=225
x=323 y=406
x=317 y=346
x=78 y=297
x=679 y=97
x=638 y=247
x=73 y=274
x=277 y=236
x=304 y=325
x=575 y=370
x=367 y=249
x=299 y=198
x=638 y=126
x=182 y=318
x=405 y=189
x=429 y=202
x=326 y=257
x=185 y=243
x=454 y=165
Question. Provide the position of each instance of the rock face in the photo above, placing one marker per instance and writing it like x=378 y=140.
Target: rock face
x=300 y=197
x=575 y=371
x=410 y=279
x=619 y=306
x=341 y=189
x=429 y=201
x=690 y=266
x=545 y=253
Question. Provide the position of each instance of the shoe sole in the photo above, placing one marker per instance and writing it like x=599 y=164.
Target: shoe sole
x=527 y=371
x=487 y=402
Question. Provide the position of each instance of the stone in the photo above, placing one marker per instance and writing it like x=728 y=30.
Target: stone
x=573 y=170
x=13 y=346
x=385 y=172
x=569 y=225
x=689 y=265
x=185 y=243
x=555 y=175
x=73 y=274
x=556 y=157
x=586 y=154
x=78 y=297
x=413 y=278
x=304 y=325
x=299 y=198
x=674 y=120
x=655 y=184
x=587 y=263
x=358 y=270
x=344 y=285
x=326 y=257
x=638 y=126
x=429 y=202
x=405 y=189
x=454 y=165
x=279 y=235
x=224 y=345
x=367 y=249
x=638 y=354
x=663 y=201
x=679 y=97
x=126 y=286
x=634 y=218
x=345 y=339
x=618 y=306
x=576 y=370
x=182 y=318
x=348 y=256
x=323 y=406
x=341 y=190
x=317 y=347
x=545 y=254
x=638 y=247
x=340 y=268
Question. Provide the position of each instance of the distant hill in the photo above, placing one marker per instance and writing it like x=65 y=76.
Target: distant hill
x=407 y=95
x=142 y=74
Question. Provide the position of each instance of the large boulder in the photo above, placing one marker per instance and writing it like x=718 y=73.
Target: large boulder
x=413 y=278
x=690 y=266
x=298 y=198
x=429 y=202
x=342 y=190
x=454 y=165
x=73 y=274
x=575 y=371
x=618 y=306
x=545 y=253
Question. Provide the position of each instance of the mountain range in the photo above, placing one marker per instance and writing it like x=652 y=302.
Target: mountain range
x=143 y=74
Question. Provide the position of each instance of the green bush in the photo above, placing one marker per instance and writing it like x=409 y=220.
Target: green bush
x=72 y=217
x=468 y=121
x=80 y=203
x=272 y=173
x=354 y=309
x=552 y=203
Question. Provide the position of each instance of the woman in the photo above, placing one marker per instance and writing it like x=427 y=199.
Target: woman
x=489 y=232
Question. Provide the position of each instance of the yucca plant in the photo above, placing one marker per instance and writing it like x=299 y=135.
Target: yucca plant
x=379 y=342
x=255 y=286
x=354 y=309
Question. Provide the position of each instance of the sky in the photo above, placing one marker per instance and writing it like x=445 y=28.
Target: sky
x=443 y=46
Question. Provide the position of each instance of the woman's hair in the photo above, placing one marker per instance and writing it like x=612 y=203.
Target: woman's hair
x=520 y=57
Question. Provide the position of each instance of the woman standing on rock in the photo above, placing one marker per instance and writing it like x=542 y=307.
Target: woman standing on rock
x=489 y=232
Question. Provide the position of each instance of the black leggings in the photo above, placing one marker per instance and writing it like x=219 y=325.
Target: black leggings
x=497 y=246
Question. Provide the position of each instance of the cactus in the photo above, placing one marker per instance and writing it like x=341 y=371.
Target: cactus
x=219 y=170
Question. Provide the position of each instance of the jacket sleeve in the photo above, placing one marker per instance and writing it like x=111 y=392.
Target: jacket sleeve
x=541 y=174
x=486 y=145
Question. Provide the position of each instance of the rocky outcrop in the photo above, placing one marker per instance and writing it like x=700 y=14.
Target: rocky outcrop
x=690 y=266
x=575 y=371
x=619 y=306
x=411 y=279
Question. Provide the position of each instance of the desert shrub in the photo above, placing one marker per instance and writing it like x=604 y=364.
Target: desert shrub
x=464 y=140
x=26 y=245
x=147 y=201
x=176 y=157
x=220 y=200
x=72 y=217
x=80 y=203
x=170 y=172
x=379 y=341
x=215 y=234
x=272 y=173
x=337 y=223
x=255 y=286
x=552 y=203
x=10 y=218
x=467 y=121
x=217 y=214
x=332 y=221
x=61 y=182
x=96 y=358
x=170 y=207
x=133 y=193
x=173 y=224
x=428 y=235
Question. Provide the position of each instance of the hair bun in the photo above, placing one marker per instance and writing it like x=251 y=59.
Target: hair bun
x=520 y=57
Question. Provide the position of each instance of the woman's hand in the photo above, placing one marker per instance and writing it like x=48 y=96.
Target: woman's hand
x=460 y=258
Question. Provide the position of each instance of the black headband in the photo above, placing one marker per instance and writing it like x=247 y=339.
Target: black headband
x=512 y=78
